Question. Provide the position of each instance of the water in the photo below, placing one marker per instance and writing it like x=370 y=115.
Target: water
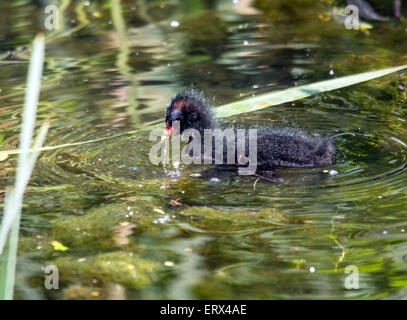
x=136 y=231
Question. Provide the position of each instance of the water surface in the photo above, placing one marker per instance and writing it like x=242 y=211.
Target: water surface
x=137 y=231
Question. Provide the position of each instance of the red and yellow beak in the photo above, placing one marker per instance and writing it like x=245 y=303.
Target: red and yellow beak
x=168 y=132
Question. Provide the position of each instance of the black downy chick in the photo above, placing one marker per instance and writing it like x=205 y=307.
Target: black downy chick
x=276 y=146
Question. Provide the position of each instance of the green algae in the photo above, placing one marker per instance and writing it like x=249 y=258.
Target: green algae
x=122 y=267
x=232 y=220
x=94 y=229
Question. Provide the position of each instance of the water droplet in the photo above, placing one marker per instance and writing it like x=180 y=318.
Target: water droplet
x=174 y=24
x=333 y=172
x=215 y=180
x=195 y=174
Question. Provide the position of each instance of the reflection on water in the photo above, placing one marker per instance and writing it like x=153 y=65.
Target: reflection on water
x=111 y=68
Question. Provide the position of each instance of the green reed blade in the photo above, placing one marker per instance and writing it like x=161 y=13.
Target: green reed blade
x=10 y=223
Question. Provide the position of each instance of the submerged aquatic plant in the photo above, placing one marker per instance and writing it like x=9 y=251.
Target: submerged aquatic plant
x=28 y=153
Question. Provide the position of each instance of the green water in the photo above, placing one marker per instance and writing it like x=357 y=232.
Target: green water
x=136 y=231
